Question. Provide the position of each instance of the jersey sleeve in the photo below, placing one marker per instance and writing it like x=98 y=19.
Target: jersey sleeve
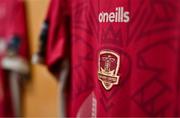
x=54 y=36
x=16 y=55
x=18 y=30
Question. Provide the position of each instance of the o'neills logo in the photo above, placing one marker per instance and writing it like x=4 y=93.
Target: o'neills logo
x=120 y=15
x=108 y=67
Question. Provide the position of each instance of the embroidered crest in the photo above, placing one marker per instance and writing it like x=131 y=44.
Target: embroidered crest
x=108 y=67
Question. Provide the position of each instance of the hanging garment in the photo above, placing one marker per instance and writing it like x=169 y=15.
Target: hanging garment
x=124 y=56
x=13 y=43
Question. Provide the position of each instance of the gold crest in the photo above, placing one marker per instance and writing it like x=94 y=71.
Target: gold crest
x=108 y=67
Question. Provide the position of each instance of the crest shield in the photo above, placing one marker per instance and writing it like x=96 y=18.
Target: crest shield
x=108 y=67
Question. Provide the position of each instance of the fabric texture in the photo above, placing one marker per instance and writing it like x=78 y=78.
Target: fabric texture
x=13 y=25
x=126 y=52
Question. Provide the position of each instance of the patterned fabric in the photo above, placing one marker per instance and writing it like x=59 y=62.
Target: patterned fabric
x=126 y=52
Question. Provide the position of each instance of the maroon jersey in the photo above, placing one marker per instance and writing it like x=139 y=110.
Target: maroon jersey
x=12 y=25
x=124 y=55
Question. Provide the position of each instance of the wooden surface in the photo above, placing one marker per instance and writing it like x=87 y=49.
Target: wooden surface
x=41 y=93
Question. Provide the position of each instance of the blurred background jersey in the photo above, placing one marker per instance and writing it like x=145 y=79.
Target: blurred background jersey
x=124 y=55
x=13 y=42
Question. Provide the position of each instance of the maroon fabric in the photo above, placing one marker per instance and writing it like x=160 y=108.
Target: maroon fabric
x=148 y=48
x=12 y=22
